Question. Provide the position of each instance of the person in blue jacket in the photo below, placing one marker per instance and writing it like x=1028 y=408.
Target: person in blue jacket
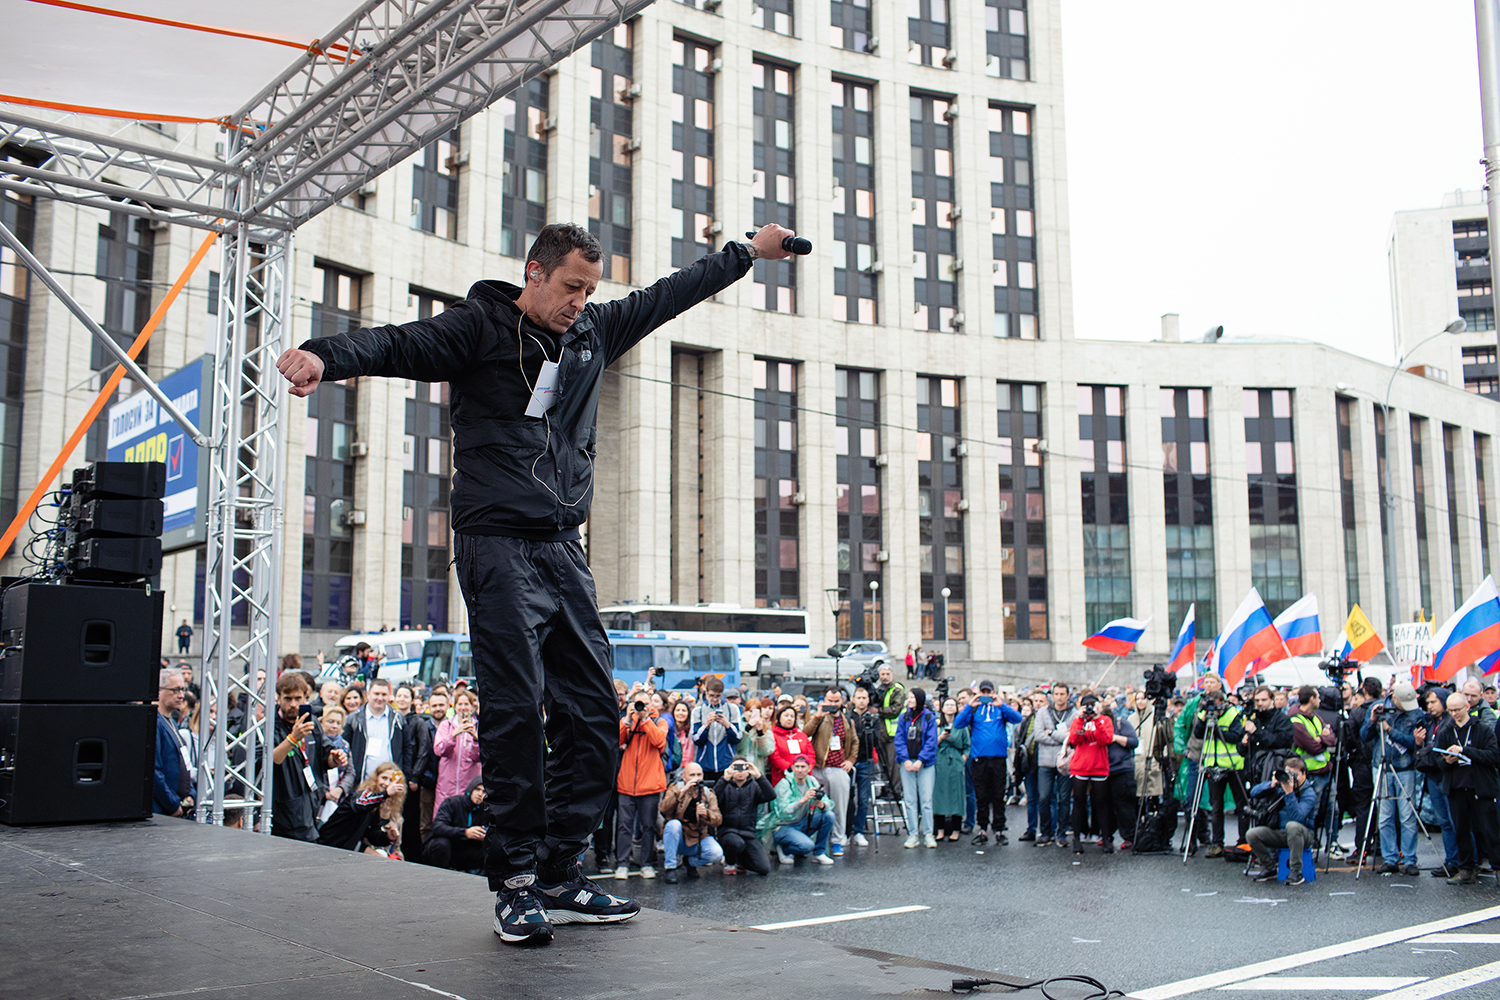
x=172 y=783
x=916 y=752
x=987 y=719
x=1298 y=803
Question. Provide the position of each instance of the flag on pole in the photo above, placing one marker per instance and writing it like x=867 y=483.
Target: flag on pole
x=1342 y=645
x=1362 y=640
x=1471 y=635
x=1118 y=637
x=1489 y=664
x=1248 y=636
x=1183 y=652
x=1298 y=628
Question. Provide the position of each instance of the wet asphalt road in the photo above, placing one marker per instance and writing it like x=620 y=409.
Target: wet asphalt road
x=1131 y=922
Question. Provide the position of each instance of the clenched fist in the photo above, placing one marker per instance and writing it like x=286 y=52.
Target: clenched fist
x=303 y=369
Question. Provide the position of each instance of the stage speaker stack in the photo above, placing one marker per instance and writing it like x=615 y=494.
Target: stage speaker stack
x=79 y=660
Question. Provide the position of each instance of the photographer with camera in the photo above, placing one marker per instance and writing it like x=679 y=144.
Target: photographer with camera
x=643 y=777
x=716 y=727
x=458 y=830
x=1268 y=732
x=868 y=726
x=1312 y=739
x=798 y=820
x=741 y=793
x=692 y=811
x=300 y=751
x=835 y=745
x=987 y=718
x=1465 y=749
x=1220 y=727
x=1090 y=735
x=1389 y=731
x=1294 y=815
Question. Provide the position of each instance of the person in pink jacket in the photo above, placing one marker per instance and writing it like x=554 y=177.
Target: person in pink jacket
x=457 y=747
x=1090 y=736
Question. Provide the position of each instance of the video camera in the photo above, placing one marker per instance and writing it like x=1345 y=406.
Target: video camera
x=1337 y=668
x=1160 y=685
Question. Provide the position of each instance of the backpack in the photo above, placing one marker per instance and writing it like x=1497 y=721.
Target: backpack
x=1153 y=835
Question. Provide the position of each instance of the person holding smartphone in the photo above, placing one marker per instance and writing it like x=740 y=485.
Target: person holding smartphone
x=456 y=746
x=299 y=752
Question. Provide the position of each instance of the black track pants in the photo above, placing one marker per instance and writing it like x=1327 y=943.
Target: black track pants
x=989 y=791
x=538 y=643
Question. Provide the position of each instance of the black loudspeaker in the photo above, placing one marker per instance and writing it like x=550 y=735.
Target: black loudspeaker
x=77 y=643
x=119 y=560
x=76 y=763
x=114 y=528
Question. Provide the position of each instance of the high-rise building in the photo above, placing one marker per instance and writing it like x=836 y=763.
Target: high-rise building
x=907 y=406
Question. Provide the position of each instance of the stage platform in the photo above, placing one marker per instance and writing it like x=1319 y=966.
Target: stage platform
x=167 y=908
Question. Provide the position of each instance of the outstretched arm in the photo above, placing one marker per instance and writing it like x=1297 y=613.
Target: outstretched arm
x=427 y=350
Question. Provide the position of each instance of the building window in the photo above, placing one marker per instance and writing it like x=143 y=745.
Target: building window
x=611 y=129
x=1023 y=525
x=773 y=182
x=1478 y=320
x=854 y=275
x=1106 y=511
x=692 y=150
x=934 y=276
x=523 y=187
x=856 y=446
x=940 y=526
x=777 y=552
x=850 y=25
x=1005 y=39
x=927 y=32
x=1450 y=477
x=1471 y=229
x=1188 y=491
x=1481 y=489
x=327 y=541
x=1419 y=513
x=427 y=459
x=1474 y=289
x=434 y=188
x=1346 y=499
x=1275 y=542
x=17 y=212
x=1012 y=223
x=773 y=15
x=125 y=262
x=1480 y=371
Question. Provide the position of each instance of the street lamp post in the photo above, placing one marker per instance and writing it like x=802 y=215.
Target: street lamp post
x=1388 y=496
x=946 y=642
x=834 y=595
x=875 y=605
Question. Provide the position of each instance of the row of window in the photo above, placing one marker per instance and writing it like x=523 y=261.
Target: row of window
x=694 y=227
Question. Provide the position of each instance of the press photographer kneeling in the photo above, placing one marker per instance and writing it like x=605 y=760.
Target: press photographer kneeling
x=1294 y=813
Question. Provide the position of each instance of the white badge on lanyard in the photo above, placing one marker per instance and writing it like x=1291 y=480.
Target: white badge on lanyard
x=835 y=742
x=544 y=393
x=307 y=773
x=793 y=747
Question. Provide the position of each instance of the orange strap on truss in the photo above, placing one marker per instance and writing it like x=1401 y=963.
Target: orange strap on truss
x=312 y=46
x=29 y=507
x=84 y=109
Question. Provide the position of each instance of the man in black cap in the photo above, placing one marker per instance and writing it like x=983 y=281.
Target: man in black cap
x=989 y=745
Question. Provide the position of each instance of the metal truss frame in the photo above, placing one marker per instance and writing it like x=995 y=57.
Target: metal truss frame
x=393 y=77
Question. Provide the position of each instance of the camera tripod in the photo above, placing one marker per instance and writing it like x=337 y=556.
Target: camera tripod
x=1327 y=832
x=1383 y=774
x=1159 y=753
x=1238 y=786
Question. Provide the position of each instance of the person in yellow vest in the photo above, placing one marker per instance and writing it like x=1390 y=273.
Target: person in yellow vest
x=889 y=701
x=1313 y=740
x=1221 y=727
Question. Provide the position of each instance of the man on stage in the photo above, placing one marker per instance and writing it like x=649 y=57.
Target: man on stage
x=524 y=366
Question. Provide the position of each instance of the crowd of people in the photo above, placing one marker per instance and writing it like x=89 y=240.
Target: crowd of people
x=711 y=776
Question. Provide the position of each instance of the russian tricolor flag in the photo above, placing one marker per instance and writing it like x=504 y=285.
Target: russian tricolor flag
x=1471 y=635
x=1118 y=637
x=1298 y=628
x=1184 y=652
x=1249 y=636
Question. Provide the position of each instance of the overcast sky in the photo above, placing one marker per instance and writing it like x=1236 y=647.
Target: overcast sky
x=1241 y=163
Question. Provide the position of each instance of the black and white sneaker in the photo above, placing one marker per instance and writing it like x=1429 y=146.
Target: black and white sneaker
x=520 y=917
x=571 y=897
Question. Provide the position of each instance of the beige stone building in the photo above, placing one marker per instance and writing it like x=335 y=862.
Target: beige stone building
x=908 y=406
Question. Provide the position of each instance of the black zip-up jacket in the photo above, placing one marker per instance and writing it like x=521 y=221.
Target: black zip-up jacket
x=457 y=813
x=514 y=475
x=1479 y=745
x=737 y=803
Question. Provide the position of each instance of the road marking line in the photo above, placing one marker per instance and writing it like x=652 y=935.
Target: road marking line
x=1458 y=939
x=1272 y=966
x=1445 y=985
x=1325 y=983
x=837 y=918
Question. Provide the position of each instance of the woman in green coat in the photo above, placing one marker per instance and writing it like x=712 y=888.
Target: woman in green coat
x=948 y=788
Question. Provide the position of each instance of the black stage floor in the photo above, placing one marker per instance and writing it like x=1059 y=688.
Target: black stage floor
x=169 y=908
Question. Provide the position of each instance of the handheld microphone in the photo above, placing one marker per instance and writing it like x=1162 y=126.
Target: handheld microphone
x=792 y=244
